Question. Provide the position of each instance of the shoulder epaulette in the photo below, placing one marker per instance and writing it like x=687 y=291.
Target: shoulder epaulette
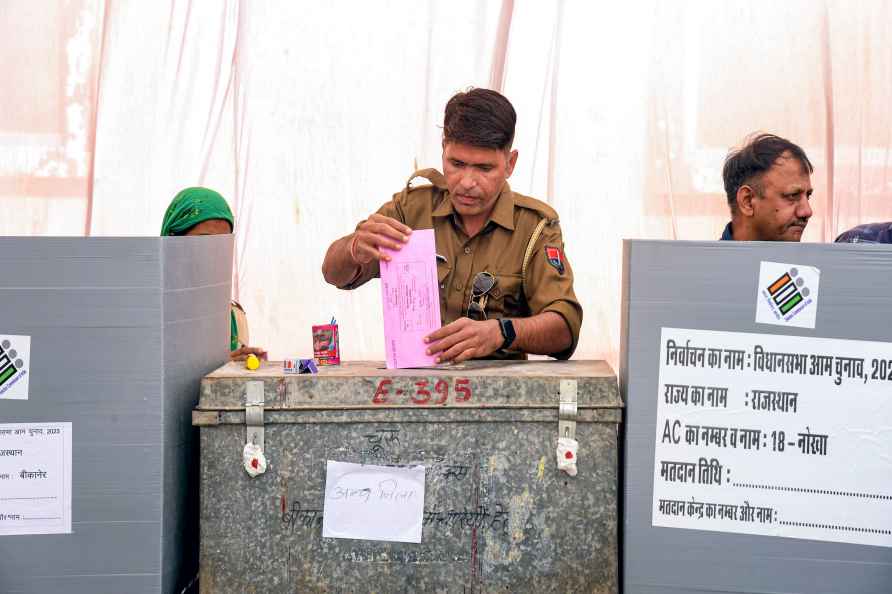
x=540 y=207
x=436 y=179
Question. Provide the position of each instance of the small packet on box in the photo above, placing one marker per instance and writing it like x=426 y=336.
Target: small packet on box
x=299 y=366
x=326 y=349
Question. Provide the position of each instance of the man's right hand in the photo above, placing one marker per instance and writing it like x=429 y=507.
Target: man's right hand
x=242 y=353
x=376 y=232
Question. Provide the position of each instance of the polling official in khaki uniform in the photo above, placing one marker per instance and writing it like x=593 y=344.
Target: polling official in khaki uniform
x=506 y=287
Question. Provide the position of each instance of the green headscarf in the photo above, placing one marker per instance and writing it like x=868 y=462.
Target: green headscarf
x=193 y=206
x=233 y=330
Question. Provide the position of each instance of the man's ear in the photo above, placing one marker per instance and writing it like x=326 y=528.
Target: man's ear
x=512 y=161
x=745 y=197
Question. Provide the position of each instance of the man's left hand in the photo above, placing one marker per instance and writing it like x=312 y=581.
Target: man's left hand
x=464 y=339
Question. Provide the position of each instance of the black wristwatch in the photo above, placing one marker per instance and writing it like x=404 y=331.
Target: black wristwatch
x=508 y=333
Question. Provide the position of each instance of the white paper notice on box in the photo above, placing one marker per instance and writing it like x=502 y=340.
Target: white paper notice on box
x=368 y=502
x=35 y=478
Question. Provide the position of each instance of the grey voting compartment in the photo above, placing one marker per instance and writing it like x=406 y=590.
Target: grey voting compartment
x=122 y=330
x=714 y=286
x=498 y=515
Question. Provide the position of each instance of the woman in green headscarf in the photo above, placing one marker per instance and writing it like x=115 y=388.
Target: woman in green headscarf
x=201 y=211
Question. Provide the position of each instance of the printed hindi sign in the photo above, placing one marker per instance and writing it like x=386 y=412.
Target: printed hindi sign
x=774 y=435
x=369 y=502
x=35 y=478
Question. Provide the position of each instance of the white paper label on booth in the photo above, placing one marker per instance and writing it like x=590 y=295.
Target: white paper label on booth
x=787 y=295
x=368 y=502
x=15 y=366
x=774 y=435
x=35 y=478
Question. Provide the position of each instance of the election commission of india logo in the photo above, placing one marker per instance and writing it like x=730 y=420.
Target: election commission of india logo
x=788 y=291
x=788 y=295
x=14 y=366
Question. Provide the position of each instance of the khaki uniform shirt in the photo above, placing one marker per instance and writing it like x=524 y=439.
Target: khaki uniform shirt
x=498 y=248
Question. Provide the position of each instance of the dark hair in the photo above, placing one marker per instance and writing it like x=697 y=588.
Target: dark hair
x=747 y=164
x=481 y=118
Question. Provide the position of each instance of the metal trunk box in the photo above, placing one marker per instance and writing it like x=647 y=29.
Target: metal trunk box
x=498 y=515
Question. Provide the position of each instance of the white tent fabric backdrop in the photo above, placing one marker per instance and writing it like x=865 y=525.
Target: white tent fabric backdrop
x=307 y=116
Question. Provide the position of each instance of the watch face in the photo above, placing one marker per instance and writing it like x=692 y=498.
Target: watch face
x=507 y=327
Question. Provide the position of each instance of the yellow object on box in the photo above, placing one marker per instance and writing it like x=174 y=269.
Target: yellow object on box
x=252 y=362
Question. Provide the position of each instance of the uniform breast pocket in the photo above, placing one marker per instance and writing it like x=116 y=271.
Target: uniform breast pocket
x=506 y=298
x=443 y=271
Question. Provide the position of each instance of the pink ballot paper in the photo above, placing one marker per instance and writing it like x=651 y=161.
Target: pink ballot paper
x=411 y=300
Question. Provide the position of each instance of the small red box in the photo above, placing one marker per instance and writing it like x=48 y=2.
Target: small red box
x=326 y=349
